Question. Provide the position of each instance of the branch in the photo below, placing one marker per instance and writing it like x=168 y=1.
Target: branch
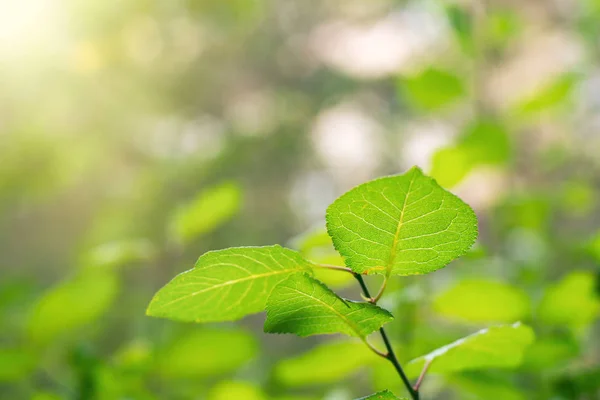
x=390 y=355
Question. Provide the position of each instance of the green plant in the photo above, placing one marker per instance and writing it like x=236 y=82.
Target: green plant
x=393 y=226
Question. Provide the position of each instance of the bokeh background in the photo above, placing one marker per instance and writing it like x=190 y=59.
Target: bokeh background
x=137 y=134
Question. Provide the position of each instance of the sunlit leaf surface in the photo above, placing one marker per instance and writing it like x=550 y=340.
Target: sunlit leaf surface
x=227 y=284
x=305 y=306
x=400 y=225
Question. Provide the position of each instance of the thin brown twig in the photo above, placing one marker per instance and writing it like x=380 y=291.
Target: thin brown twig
x=422 y=376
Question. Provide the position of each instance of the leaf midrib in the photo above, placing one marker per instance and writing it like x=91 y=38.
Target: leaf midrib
x=228 y=283
x=394 y=250
x=342 y=316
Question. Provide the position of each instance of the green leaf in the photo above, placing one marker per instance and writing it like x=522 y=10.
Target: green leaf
x=572 y=301
x=305 y=306
x=475 y=386
x=550 y=352
x=502 y=28
x=593 y=246
x=461 y=22
x=206 y=212
x=532 y=211
x=316 y=245
x=385 y=395
x=433 y=88
x=495 y=347
x=206 y=352
x=227 y=284
x=578 y=198
x=236 y=390
x=484 y=142
x=400 y=225
x=312 y=240
x=73 y=303
x=552 y=94
x=16 y=364
x=119 y=253
x=483 y=301
x=134 y=356
x=322 y=364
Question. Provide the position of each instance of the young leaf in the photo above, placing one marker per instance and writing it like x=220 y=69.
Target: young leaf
x=495 y=347
x=315 y=245
x=484 y=142
x=119 y=253
x=572 y=301
x=206 y=352
x=550 y=352
x=433 y=89
x=385 y=395
x=207 y=211
x=554 y=93
x=236 y=390
x=227 y=284
x=322 y=364
x=305 y=306
x=479 y=300
x=16 y=364
x=73 y=303
x=400 y=225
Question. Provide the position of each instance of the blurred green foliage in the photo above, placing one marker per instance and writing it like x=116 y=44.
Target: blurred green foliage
x=124 y=124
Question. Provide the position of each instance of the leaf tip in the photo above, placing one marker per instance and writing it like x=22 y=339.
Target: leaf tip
x=415 y=169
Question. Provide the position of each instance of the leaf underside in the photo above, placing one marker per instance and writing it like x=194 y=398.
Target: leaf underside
x=227 y=284
x=400 y=225
x=496 y=347
x=305 y=306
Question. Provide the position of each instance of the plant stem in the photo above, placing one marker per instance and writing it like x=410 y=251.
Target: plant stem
x=422 y=376
x=391 y=356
